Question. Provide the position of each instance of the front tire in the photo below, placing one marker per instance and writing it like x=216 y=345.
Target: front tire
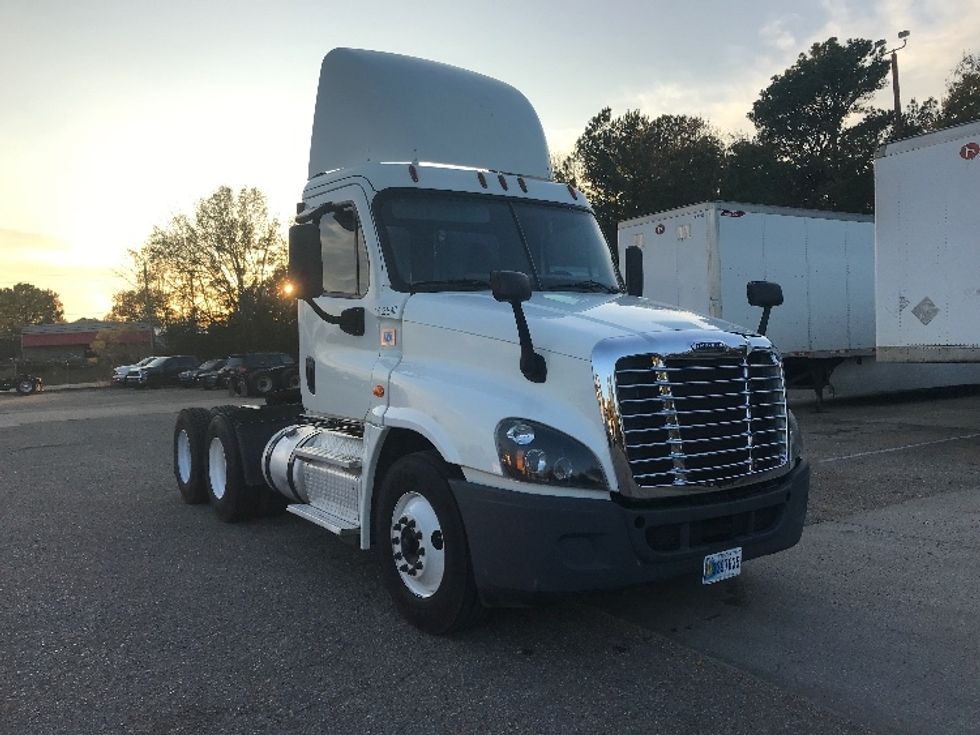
x=26 y=386
x=232 y=499
x=421 y=546
x=190 y=466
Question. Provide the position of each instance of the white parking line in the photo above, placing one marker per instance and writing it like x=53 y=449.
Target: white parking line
x=897 y=449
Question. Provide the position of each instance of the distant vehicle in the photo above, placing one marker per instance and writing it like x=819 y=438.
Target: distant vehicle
x=189 y=378
x=700 y=257
x=927 y=263
x=260 y=373
x=119 y=373
x=161 y=371
x=24 y=384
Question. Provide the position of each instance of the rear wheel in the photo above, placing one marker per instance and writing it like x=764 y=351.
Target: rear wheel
x=422 y=548
x=190 y=434
x=26 y=386
x=231 y=497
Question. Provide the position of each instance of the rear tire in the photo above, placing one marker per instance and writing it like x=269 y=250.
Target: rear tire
x=421 y=546
x=190 y=466
x=232 y=498
x=26 y=386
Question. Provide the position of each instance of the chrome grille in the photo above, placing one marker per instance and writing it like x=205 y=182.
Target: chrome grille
x=696 y=420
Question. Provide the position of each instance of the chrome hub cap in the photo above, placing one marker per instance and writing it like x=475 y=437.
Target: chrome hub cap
x=217 y=468
x=417 y=545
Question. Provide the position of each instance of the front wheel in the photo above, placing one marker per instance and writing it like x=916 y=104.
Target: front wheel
x=26 y=386
x=422 y=548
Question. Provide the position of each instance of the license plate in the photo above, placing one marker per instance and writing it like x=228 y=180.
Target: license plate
x=723 y=565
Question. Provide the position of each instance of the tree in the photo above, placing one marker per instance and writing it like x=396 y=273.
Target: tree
x=204 y=270
x=755 y=173
x=961 y=104
x=632 y=164
x=23 y=304
x=817 y=117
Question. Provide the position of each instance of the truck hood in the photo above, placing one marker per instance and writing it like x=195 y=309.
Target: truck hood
x=565 y=323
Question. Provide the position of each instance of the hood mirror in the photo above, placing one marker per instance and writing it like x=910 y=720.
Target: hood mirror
x=514 y=288
x=766 y=295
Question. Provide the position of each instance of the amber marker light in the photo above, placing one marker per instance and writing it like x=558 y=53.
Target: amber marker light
x=379 y=391
x=287 y=289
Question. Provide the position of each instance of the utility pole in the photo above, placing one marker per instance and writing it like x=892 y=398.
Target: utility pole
x=146 y=307
x=903 y=36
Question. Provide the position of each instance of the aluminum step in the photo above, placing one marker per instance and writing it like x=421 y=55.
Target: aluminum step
x=324 y=456
x=334 y=524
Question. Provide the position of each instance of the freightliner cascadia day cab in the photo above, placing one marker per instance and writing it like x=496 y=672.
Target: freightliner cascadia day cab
x=481 y=401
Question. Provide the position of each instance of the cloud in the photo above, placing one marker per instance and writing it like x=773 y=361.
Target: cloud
x=775 y=34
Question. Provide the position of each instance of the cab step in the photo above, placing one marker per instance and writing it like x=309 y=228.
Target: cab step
x=334 y=524
x=320 y=455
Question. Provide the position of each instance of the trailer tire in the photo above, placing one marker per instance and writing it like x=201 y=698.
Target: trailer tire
x=232 y=499
x=416 y=507
x=190 y=466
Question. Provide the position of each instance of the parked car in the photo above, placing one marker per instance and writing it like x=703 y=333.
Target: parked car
x=189 y=378
x=260 y=373
x=24 y=384
x=120 y=372
x=239 y=363
x=161 y=371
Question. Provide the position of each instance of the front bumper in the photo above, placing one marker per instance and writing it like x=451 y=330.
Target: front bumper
x=524 y=546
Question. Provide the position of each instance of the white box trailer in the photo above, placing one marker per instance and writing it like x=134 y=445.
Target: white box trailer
x=700 y=258
x=927 y=240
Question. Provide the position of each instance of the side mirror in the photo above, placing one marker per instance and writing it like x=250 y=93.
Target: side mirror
x=305 y=261
x=514 y=287
x=634 y=271
x=766 y=295
x=510 y=286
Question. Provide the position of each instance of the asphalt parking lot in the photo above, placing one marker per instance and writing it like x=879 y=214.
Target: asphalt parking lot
x=123 y=610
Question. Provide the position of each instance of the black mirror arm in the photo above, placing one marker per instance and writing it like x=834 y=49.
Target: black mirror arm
x=350 y=320
x=764 y=322
x=533 y=365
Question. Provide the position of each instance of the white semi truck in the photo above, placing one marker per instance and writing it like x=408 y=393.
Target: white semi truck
x=927 y=248
x=481 y=403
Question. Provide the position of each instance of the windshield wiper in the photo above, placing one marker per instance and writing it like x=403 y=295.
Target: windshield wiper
x=450 y=284
x=588 y=285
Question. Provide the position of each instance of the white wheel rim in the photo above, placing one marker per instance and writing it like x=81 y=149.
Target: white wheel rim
x=26 y=386
x=417 y=545
x=264 y=385
x=217 y=468
x=184 y=456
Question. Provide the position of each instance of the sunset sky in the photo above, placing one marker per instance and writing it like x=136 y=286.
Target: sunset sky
x=116 y=115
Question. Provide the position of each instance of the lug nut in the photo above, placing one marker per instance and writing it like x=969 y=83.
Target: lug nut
x=411 y=572
x=418 y=564
x=395 y=541
x=411 y=523
x=403 y=568
x=418 y=535
x=397 y=527
x=398 y=555
x=421 y=551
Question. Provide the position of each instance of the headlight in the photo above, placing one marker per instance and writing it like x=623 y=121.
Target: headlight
x=534 y=452
x=795 y=436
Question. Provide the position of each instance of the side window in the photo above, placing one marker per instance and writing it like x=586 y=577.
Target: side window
x=345 y=260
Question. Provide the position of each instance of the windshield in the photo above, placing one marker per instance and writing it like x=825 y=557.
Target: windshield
x=443 y=241
x=156 y=362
